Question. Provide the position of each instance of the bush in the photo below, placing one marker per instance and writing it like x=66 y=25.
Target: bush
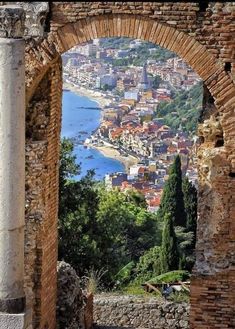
x=170 y=277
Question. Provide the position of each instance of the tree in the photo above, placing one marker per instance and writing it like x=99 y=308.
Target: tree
x=190 y=204
x=172 y=200
x=136 y=197
x=169 y=248
x=149 y=265
x=156 y=82
x=100 y=229
x=77 y=224
x=185 y=242
x=141 y=234
x=68 y=167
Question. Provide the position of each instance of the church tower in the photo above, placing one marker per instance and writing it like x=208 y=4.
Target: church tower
x=144 y=81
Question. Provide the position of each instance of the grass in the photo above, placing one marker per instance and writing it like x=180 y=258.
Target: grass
x=134 y=290
x=179 y=297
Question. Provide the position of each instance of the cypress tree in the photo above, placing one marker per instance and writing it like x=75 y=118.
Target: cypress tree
x=169 y=248
x=190 y=204
x=173 y=200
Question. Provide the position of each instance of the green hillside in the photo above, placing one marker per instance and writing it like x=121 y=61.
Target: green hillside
x=137 y=56
x=184 y=110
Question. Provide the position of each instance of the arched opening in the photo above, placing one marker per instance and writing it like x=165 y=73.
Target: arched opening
x=210 y=71
x=140 y=105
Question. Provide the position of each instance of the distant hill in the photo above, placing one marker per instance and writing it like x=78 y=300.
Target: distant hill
x=137 y=56
x=184 y=110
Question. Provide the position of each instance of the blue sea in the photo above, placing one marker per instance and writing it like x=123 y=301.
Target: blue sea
x=81 y=122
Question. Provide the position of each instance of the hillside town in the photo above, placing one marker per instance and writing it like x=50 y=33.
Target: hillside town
x=130 y=123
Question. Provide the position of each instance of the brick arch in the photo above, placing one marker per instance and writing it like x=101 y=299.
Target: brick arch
x=196 y=55
x=217 y=165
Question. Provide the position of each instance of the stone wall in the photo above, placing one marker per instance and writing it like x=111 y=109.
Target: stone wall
x=139 y=312
x=203 y=34
x=71 y=301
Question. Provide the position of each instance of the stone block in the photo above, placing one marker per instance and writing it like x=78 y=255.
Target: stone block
x=12 y=321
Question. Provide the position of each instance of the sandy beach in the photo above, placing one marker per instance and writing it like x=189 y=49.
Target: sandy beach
x=105 y=150
x=114 y=154
x=88 y=93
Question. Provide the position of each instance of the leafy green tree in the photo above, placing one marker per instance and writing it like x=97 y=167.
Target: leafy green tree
x=186 y=106
x=77 y=224
x=136 y=197
x=142 y=234
x=169 y=248
x=149 y=265
x=68 y=167
x=172 y=200
x=132 y=229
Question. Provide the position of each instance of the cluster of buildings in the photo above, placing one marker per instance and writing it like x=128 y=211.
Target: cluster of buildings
x=91 y=66
x=176 y=72
x=131 y=127
x=129 y=123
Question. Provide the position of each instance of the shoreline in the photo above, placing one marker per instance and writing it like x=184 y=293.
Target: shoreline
x=81 y=91
x=112 y=153
x=107 y=151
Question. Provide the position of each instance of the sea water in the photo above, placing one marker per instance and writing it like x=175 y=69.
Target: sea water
x=80 y=117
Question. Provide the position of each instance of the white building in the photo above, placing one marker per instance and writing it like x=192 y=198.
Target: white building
x=132 y=94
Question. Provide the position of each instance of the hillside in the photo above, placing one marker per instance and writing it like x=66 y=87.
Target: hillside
x=184 y=110
x=137 y=56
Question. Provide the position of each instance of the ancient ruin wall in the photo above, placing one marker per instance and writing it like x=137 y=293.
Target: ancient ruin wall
x=42 y=155
x=204 y=36
x=139 y=312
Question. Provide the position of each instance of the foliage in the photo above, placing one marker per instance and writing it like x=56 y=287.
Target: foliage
x=93 y=280
x=156 y=82
x=102 y=229
x=179 y=297
x=170 y=277
x=124 y=274
x=169 y=248
x=137 y=56
x=184 y=110
x=186 y=248
x=106 y=87
x=111 y=233
x=134 y=289
x=136 y=197
x=149 y=265
x=68 y=168
x=190 y=204
x=172 y=199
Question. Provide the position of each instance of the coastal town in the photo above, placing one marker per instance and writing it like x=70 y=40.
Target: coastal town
x=130 y=129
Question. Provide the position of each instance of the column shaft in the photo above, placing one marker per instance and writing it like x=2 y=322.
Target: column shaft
x=12 y=173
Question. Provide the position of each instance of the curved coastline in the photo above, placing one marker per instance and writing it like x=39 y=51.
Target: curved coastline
x=81 y=91
x=112 y=153
x=107 y=151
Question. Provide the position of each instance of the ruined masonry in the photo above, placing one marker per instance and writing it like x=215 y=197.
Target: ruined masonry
x=33 y=35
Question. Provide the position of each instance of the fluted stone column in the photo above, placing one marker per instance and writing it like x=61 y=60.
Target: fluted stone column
x=12 y=167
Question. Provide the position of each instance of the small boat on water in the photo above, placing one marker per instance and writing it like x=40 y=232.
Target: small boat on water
x=83 y=132
x=90 y=157
x=65 y=89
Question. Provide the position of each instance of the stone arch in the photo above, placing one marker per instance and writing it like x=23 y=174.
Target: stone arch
x=217 y=166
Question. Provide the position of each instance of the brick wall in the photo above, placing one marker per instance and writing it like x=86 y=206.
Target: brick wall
x=42 y=152
x=205 y=38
